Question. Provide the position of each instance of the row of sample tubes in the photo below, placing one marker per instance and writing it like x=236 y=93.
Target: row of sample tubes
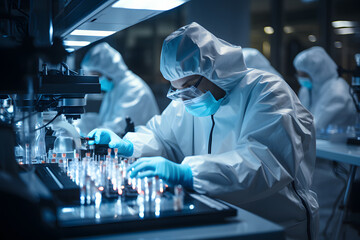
x=108 y=176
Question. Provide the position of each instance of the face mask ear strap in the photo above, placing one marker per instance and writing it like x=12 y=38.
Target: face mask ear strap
x=198 y=82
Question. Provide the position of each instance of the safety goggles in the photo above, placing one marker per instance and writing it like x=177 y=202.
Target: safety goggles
x=185 y=93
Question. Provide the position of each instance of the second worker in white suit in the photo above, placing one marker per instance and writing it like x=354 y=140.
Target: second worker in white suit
x=126 y=94
x=327 y=97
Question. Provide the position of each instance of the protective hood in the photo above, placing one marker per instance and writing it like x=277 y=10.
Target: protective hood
x=106 y=60
x=317 y=63
x=193 y=50
x=255 y=59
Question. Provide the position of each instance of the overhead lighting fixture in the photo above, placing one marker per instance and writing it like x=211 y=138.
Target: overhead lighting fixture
x=345 y=31
x=93 y=33
x=70 y=49
x=342 y=24
x=312 y=38
x=148 y=4
x=268 y=30
x=288 y=29
x=76 y=43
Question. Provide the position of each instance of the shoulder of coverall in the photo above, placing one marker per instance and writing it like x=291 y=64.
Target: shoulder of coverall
x=132 y=82
x=317 y=63
x=255 y=59
x=192 y=50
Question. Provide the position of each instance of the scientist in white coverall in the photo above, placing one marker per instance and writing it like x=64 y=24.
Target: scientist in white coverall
x=126 y=94
x=327 y=97
x=322 y=90
x=232 y=133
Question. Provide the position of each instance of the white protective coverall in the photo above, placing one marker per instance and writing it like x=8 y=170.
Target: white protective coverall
x=255 y=59
x=130 y=96
x=329 y=100
x=263 y=147
x=330 y=103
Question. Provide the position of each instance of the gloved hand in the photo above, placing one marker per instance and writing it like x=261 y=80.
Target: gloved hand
x=106 y=136
x=172 y=173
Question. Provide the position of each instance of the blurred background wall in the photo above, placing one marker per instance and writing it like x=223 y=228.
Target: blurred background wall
x=278 y=28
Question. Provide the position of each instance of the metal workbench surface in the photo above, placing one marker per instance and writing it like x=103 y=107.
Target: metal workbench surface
x=244 y=226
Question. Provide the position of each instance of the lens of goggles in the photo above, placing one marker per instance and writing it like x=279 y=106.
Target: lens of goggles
x=183 y=94
x=186 y=93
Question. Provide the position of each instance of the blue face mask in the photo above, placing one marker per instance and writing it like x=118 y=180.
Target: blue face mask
x=202 y=106
x=106 y=84
x=305 y=82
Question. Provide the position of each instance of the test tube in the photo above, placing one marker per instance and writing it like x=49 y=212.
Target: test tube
x=157 y=204
x=27 y=154
x=178 y=198
x=63 y=162
x=76 y=158
x=109 y=152
x=50 y=153
x=102 y=176
x=161 y=185
x=92 y=151
x=82 y=185
x=129 y=179
x=43 y=159
x=98 y=198
x=53 y=159
x=119 y=180
x=138 y=186
x=88 y=189
x=148 y=187
x=116 y=150
x=126 y=165
x=133 y=183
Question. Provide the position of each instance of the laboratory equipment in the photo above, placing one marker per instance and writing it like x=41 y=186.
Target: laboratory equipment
x=354 y=133
x=95 y=194
x=111 y=201
x=40 y=95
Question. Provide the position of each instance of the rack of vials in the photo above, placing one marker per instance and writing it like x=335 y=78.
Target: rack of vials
x=109 y=200
x=107 y=177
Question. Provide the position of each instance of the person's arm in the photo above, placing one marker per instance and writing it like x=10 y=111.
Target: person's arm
x=273 y=141
x=157 y=137
x=132 y=98
x=334 y=105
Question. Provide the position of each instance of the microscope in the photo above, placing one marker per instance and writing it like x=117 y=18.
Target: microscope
x=38 y=92
x=59 y=99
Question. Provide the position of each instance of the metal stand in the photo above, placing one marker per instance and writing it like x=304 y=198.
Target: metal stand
x=344 y=204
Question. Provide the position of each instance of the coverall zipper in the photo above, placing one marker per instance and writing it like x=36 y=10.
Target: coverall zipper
x=211 y=132
x=307 y=211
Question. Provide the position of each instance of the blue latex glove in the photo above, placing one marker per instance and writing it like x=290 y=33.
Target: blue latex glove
x=106 y=136
x=172 y=173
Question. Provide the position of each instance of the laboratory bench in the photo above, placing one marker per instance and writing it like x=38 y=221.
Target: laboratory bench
x=343 y=153
x=146 y=209
x=244 y=225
